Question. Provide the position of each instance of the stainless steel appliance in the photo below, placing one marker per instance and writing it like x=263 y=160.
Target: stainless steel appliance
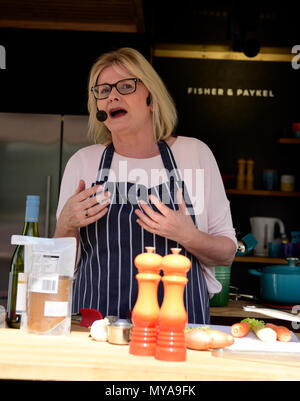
x=34 y=149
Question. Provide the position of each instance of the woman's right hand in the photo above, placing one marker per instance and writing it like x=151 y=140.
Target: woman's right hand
x=82 y=209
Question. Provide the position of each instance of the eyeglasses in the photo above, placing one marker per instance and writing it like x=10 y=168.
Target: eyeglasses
x=124 y=87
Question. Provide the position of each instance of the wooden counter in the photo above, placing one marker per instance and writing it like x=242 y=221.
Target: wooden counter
x=77 y=357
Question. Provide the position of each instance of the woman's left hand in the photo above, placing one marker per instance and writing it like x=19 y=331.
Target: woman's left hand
x=176 y=225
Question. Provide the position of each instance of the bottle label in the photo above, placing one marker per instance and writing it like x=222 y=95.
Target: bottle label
x=21 y=293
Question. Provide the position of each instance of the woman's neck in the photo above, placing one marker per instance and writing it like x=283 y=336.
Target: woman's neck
x=141 y=150
x=138 y=147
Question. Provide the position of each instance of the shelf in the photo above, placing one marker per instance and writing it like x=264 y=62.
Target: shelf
x=261 y=192
x=260 y=259
x=289 y=140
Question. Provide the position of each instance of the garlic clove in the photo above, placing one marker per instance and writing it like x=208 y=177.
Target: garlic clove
x=99 y=330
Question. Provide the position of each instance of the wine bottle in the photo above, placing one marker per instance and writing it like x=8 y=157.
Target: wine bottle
x=16 y=301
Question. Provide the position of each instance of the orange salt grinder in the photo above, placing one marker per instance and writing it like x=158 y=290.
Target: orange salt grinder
x=146 y=309
x=170 y=344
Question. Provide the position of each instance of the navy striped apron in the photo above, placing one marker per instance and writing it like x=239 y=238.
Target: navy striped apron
x=105 y=278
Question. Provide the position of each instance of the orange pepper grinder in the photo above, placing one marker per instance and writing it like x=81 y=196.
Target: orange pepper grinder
x=170 y=344
x=146 y=310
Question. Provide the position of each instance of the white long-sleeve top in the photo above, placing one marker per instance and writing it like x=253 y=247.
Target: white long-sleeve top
x=198 y=168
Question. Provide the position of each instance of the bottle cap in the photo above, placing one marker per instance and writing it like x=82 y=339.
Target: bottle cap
x=32 y=208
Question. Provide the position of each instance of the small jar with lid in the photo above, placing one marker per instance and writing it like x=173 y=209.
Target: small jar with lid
x=287 y=183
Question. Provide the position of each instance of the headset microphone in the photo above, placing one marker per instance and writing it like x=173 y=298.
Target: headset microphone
x=101 y=115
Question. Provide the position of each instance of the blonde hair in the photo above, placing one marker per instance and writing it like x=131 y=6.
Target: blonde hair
x=164 y=110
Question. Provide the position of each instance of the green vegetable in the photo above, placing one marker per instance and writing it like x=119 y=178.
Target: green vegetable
x=259 y=324
x=265 y=334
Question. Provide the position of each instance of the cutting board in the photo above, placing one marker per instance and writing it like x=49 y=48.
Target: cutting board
x=252 y=343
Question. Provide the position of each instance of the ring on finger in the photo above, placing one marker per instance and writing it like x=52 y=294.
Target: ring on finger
x=86 y=213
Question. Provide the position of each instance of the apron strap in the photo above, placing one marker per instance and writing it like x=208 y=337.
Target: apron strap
x=105 y=163
x=168 y=159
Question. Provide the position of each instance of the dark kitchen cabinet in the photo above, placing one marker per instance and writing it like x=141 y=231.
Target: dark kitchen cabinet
x=240 y=107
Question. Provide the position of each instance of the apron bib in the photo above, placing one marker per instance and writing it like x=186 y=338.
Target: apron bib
x=105 y=278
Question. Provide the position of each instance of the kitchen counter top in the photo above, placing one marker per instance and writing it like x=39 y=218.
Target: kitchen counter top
x=78 y=357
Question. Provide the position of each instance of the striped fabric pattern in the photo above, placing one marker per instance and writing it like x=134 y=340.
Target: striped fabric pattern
x=105 y=279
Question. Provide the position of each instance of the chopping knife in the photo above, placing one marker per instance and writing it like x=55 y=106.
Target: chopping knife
x=256 y=355
x=277 y=314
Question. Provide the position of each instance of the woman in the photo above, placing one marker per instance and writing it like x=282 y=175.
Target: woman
x=140 y=186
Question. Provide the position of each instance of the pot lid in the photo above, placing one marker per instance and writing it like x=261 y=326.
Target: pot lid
x=121 y=323
x=291 y=268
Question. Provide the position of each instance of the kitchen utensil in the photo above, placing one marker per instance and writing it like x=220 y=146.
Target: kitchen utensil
x=146 y=309
x=222 y=274
x=240 y=179
x=236 y=295
x=119 y=332
x=280 y=283
x=89 y=316
x=245 y=245
x=263 y=229
x=277 y=314
x=172 y=319
x=289 y=356
x=250 y=175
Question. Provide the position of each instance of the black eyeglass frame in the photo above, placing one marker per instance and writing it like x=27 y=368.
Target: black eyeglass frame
x=115 y=86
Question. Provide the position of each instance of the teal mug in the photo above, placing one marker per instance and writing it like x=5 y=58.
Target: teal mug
x=274 y=249
x=295 y=236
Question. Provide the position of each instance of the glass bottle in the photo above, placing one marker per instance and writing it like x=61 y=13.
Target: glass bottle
x=17 y=287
